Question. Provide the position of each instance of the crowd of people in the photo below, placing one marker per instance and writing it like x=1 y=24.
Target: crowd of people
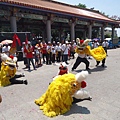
x=50 y=52
x=47 y=53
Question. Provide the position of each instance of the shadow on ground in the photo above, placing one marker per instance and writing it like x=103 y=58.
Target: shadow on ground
x=98 y=68
x=75 y=109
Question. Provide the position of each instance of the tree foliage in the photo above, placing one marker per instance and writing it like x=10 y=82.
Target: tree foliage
x=107 y=36
x=81 y=5
x=115 y=17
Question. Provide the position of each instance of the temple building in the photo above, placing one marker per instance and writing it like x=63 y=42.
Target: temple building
x=46 y=17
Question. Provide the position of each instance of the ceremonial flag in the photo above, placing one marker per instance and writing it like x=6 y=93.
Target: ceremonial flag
x=14 y=46
x=26 y=41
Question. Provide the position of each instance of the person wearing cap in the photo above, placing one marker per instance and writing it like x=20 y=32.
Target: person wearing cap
x=105 y=45
x=65 y=48
x=24 y=54
x=49 y=53
x=53 y=51
x=58 y=52
x=29 y=55
x=72 y=49
x=96 y=43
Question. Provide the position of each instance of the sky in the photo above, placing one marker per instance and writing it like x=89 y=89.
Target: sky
x=109 y=7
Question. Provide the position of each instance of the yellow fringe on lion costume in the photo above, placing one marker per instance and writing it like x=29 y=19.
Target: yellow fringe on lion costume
x=97 y=53
x=6 y=73
x=59 y=96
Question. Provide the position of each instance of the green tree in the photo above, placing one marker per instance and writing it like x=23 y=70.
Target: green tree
x=107 y=36
x=104 y=14
x=81 y=5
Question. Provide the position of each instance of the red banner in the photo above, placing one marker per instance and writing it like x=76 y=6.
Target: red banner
x=13 y=46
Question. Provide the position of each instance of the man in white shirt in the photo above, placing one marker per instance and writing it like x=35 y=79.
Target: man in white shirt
x=49 y=53
x=58 y=52
x=95 y=44
x=65 y=49
x=72 y=49
x=105 y=45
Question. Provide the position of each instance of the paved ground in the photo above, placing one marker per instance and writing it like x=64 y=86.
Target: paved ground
x=103 y=85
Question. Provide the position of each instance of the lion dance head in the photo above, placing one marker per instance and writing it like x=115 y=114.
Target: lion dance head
x=58 y=97
x=8 y=69
x=82 y=46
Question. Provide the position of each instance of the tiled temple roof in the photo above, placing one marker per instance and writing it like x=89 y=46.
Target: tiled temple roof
x=59 y=8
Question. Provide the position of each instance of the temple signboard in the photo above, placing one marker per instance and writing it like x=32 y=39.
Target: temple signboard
x=98 y=24
x=56 y=19
x=4 y=13
x=81 y=22
x=30 y=16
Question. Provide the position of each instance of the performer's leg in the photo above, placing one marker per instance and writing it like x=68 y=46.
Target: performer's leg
x=84 y=60
x=80 y=100
x=103 y=62
x=97 y=63
x=77 y=62
x=20 y=75
x=14 y=81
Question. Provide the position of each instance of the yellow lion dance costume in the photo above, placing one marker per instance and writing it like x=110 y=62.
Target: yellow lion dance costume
x=59 y=96
x=83 y=48
x=8 y=71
